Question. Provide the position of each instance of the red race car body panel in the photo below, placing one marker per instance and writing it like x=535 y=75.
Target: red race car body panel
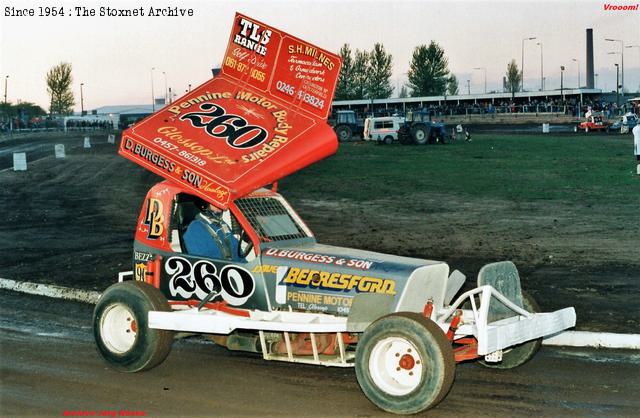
x=262 y=118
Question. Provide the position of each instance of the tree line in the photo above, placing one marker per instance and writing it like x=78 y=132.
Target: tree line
x=367 y=74
x=364 y=75
x=59 y=80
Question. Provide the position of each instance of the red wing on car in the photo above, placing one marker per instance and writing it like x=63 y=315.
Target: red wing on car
x=261 y=119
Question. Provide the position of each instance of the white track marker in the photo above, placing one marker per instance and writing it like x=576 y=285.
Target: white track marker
x=566 y=338
x=19 y=161
x=52 y=291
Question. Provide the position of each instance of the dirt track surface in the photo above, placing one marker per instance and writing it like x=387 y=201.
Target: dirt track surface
x=71 y=222
x=50 y=365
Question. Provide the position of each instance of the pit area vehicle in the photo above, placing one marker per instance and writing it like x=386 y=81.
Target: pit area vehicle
x=383 y=130
x=346 y=124
x=595 y=122
x=625 y=123
x=419 y=129
x=272 y=289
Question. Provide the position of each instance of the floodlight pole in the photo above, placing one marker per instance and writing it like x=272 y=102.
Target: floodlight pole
x=621 y=59
x=165 y=87
x=617 y=83
x=634 y=46
x=485 y=77
x=541 y=68
x=562 y=83
x=81 y=100
x=522 y=61
x=5 y=89
x=153 y=96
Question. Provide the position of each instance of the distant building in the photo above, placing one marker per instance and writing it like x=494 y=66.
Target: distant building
x=125 y=115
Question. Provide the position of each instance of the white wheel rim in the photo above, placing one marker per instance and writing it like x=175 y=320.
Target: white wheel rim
x=118 y=328
x=419 y=135
x=395 y=366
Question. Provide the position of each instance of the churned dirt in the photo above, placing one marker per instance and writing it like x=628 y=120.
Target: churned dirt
x=71 y=222
x=50 y=367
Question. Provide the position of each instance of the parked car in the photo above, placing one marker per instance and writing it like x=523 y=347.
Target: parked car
x=384 y=130
x=625 y=123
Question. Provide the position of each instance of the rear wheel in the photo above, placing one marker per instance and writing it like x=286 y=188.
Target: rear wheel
x=121 y=331
x=518 y=355
x=388 y=140
x=404 y=363
x=344 y=133
x=420 y=134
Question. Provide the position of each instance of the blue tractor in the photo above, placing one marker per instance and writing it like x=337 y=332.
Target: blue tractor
x=419 y=129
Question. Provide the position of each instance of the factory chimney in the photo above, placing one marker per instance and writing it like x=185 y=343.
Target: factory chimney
x=590 y=84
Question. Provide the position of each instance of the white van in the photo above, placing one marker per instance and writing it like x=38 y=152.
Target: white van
x=383 y=129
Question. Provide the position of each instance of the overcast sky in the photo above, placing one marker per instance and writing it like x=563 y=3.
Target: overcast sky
x=113 y=56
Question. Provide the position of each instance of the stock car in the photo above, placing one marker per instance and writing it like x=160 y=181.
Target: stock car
x=401 y=322
x=594 y=122
x=625 y=123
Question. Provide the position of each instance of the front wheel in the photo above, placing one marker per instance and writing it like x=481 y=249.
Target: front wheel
x=404 y=363
x=521 y=353
x=121 y=331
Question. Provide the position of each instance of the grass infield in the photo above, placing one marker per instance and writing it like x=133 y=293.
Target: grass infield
x=584 y=169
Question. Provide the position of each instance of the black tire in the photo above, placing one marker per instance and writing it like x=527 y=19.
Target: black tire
x=521 y=353
x=404 y=136
x=129 y=303
x=344 y=133
x=442 y=139
x=388 y=140
x=420 y=134
x=433 y=355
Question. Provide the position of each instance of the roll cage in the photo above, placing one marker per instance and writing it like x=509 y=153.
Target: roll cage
x=264 y=215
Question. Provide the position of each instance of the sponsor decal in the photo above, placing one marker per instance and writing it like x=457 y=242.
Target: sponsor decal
x=154 y=218
x=319 y=301
x=237 y=133
x=217 y=123
x=140 y=272
x=162 y=192
x=142 y=256
x=233 y=283
x=337 y=281
x=161 y=164
x=147 y=154
x=252 y=37
x=319 y=258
